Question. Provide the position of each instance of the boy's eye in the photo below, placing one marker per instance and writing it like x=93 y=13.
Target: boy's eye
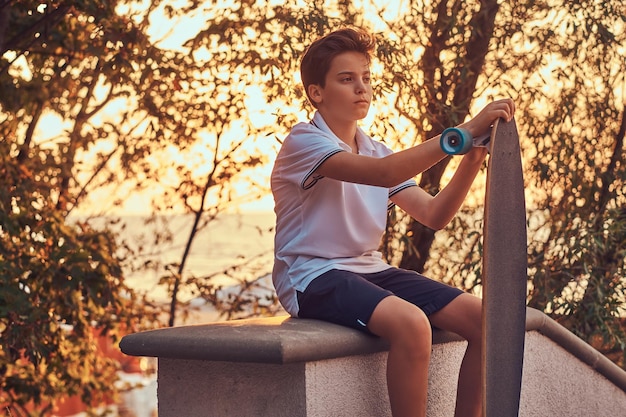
x=366 y=80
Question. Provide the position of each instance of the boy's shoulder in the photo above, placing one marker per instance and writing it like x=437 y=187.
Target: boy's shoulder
x=304 y=128
x=308 y=131
x=306 y=140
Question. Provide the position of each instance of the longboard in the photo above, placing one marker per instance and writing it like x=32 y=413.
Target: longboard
x=504 y=274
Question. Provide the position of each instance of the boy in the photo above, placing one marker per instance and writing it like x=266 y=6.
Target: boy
x=332 y=185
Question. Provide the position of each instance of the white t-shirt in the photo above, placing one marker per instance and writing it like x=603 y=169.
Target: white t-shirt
x=322 y=223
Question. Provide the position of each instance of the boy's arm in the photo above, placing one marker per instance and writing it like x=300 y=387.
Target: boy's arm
x=437 y=211
x=386 y=172
x=400 y=166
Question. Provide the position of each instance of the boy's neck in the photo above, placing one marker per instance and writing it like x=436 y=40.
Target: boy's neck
x=344 y=130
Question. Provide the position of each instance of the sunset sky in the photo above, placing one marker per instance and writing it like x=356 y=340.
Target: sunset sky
x=171 y=34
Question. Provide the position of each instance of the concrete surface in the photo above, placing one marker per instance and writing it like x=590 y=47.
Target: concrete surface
x=293 y=367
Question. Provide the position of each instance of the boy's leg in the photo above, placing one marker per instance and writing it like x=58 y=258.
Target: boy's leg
x=408 y=331
x=463 y=317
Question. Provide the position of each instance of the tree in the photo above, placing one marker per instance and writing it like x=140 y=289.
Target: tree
x=62 y=289
x=62 y=285
x=82 y=62
x=577 y=256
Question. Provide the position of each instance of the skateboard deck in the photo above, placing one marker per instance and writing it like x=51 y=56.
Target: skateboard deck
x=504 y=274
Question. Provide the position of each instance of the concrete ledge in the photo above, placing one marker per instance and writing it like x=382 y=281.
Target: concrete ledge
x=282 y=340
x=307 y=368
x=265 y=340
x=538 y=321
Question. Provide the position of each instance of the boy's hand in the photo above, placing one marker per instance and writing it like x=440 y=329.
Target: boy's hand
x=480 y=124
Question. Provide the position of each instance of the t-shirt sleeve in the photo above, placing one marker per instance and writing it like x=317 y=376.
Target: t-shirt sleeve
x=303 y=151
x=382 y=150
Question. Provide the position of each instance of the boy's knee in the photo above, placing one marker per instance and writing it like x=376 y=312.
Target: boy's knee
x=414 y=332
x=396 y=320
x=420 y=324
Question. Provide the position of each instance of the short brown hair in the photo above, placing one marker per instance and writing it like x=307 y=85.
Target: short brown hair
x=319 y=55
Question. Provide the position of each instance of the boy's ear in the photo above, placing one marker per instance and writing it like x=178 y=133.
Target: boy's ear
x=315 y=93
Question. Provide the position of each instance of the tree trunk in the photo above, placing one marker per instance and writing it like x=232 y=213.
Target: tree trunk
x=4 y=24
x=463 y=81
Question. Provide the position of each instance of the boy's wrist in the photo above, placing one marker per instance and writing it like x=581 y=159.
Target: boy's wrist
x=469 y=127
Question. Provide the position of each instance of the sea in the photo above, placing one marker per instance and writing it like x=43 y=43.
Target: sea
x=241 y=242
x=153 y=247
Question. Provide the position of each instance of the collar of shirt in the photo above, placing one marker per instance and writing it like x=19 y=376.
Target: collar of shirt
x=364 y=142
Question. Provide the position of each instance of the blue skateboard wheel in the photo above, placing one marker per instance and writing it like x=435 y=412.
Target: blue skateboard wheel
x=456 y=141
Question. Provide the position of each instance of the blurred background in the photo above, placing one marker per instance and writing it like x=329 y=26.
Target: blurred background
x=137 y=139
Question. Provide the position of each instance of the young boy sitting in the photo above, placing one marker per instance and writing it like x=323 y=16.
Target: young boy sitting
x=332 y=186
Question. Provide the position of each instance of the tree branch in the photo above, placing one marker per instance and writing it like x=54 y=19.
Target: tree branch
x=483 y=24
x=23 y=154
x=606 y=176
x=17 y=43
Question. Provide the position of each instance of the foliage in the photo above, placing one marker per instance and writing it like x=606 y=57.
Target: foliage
x=573 y=81
x=62 y=283
x=61 y=289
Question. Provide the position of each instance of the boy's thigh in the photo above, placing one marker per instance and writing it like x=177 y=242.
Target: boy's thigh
x=341 y=297
x=462 y=316
x=429 y=295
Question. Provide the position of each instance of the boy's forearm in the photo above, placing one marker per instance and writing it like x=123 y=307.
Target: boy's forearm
x=413 y=161
x=448 y=201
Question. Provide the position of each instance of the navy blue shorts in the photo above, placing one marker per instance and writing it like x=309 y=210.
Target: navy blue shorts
x=349 y=299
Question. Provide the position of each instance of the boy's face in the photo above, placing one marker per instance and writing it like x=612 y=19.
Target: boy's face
x=348 y=92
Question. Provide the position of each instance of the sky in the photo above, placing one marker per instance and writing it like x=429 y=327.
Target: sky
x=171 y=34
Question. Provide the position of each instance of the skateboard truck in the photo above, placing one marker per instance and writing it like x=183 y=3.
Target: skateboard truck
x=459 y=141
